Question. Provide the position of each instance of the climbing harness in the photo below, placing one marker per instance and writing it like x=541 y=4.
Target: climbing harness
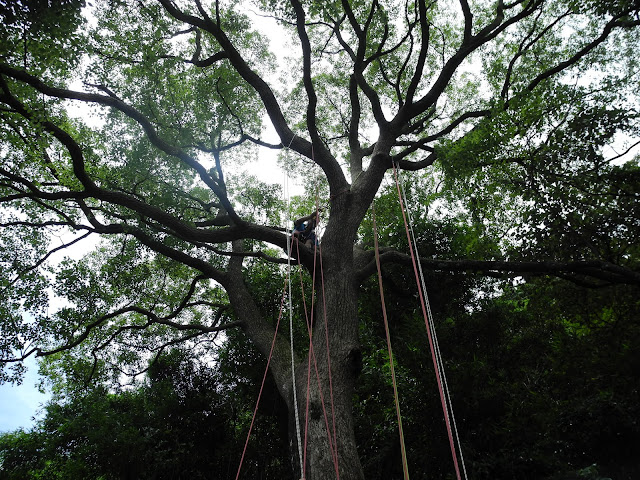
x=332 y=438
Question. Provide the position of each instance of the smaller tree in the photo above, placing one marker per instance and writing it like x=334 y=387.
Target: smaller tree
x=182 y=422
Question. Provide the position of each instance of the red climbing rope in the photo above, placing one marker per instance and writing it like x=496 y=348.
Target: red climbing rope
x=405 y=467
x=264 y=377
x=334 y=451
x=312 y=356
x=333 y=446
x=426 y=322
x=326 y=334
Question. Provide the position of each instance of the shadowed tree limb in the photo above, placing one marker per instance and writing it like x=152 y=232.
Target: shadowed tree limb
x=596 y=269
x=287 y=137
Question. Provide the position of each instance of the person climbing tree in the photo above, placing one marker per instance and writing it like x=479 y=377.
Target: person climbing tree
x=304 y=228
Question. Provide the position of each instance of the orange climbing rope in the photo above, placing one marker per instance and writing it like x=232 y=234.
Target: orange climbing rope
x=423 y=303
x=264 y=377
x=326 y=334
x=405 y=467
x=312 y=356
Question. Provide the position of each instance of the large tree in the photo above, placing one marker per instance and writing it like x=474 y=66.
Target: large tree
x=521 y=111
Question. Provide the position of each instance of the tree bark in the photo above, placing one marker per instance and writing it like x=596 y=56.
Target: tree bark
x=329 y=406
x=335 y=341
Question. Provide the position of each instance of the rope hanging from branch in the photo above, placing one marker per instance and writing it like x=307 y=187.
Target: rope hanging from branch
x=332 y=439
x=264 y=377
x=445 y=400
x=326 y=333
x=302 y=453
x=405 y=467
x=293 y=363
x=312 y=356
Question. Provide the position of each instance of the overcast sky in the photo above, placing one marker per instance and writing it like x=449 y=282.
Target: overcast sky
x=19 y=404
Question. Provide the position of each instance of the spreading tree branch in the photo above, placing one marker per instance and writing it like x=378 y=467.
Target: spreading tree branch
x=596 y=269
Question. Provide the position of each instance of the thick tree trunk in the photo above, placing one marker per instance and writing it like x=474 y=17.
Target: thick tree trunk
x=329 y=402
x=341 y=295
x=323 y=453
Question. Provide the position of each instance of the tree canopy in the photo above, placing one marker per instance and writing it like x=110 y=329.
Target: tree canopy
x=513 y=125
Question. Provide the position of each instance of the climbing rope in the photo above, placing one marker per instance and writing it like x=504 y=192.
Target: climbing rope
x=264 y=377
x=318 y=249
x=405 y=467
x=433 y=329
x=312 y=356
x=326 y=333
x=309 y=321
x=437 y=365
x=293 y=363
